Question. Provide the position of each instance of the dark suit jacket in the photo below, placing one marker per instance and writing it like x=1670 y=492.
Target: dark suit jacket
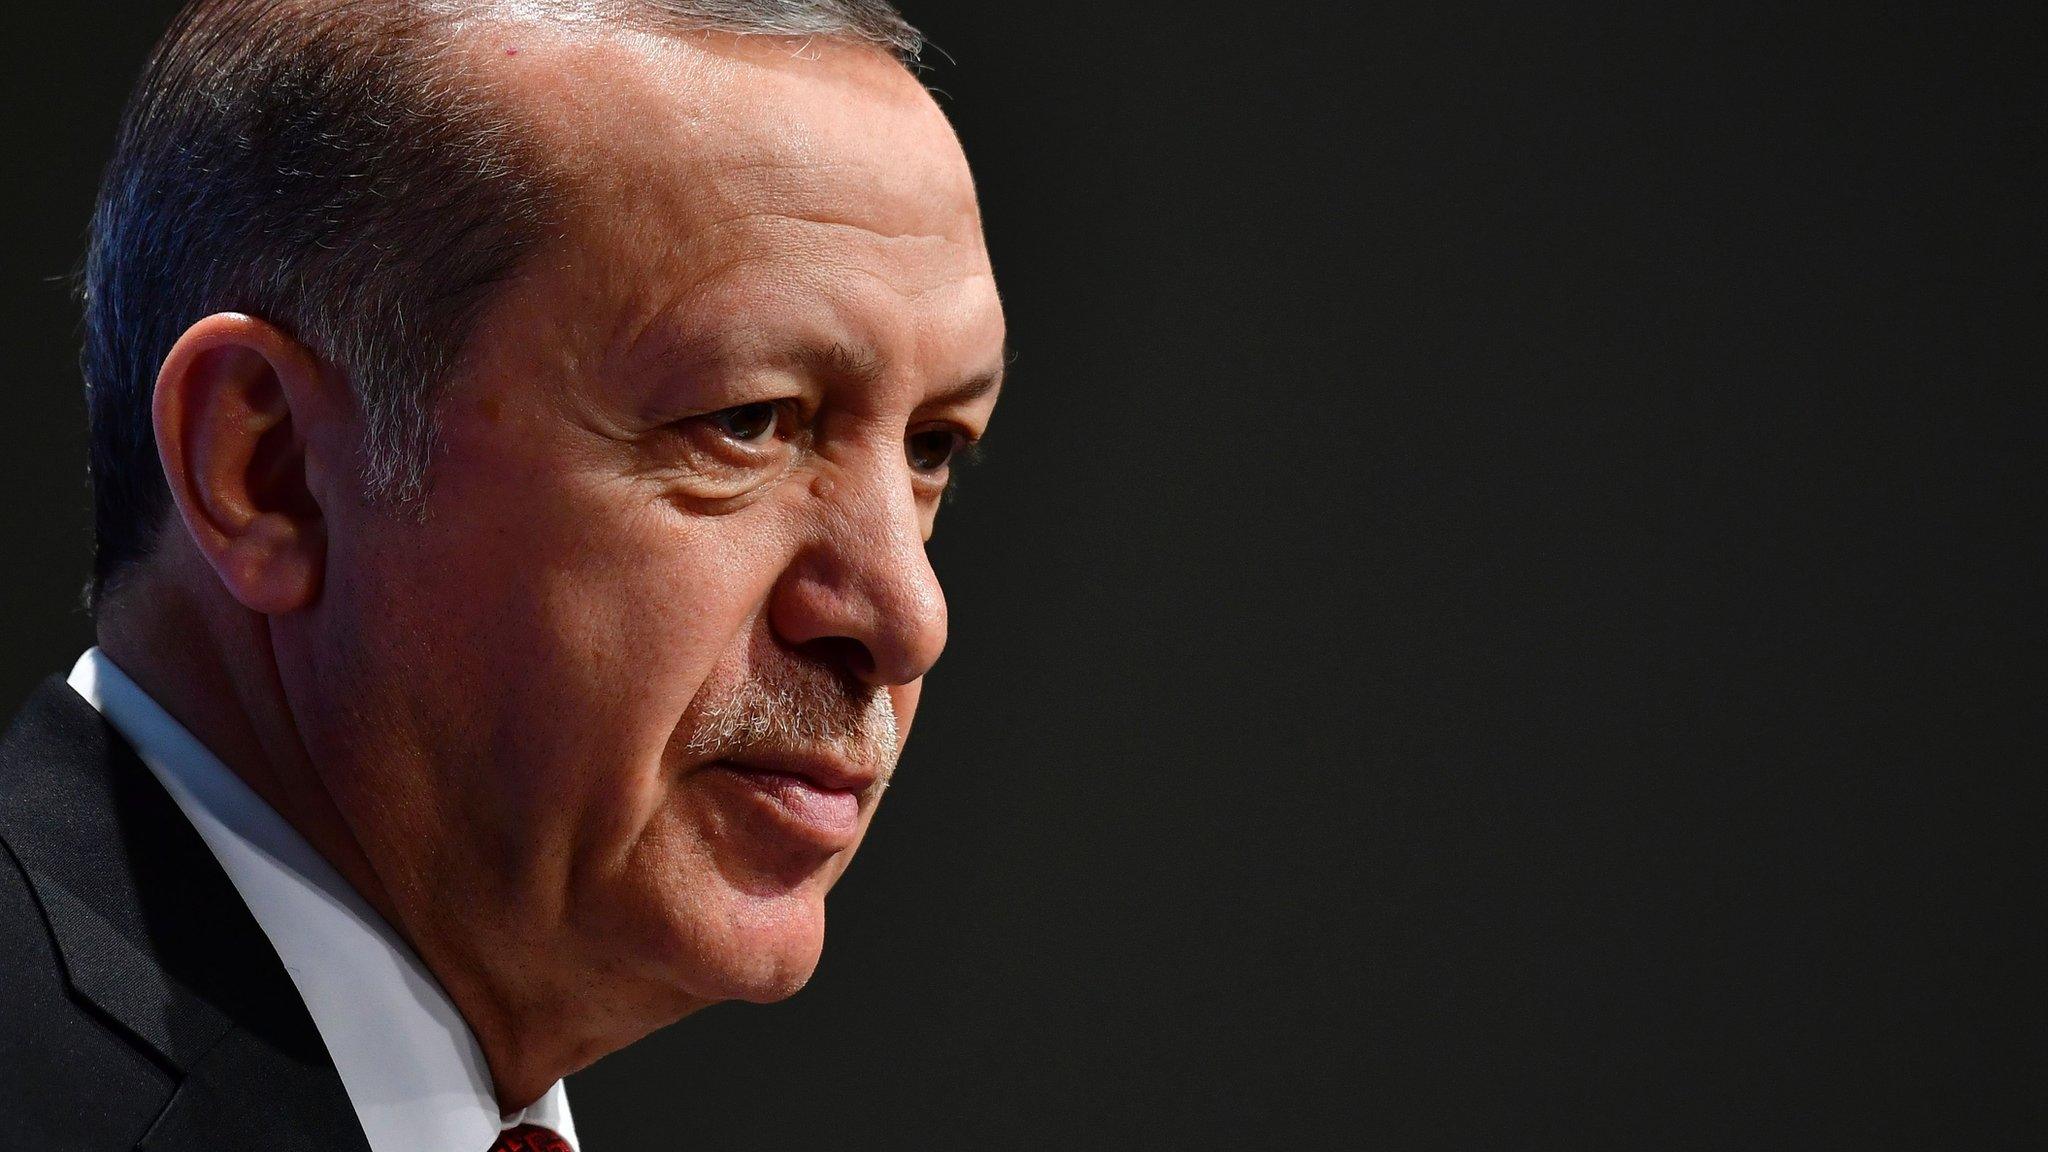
x=140 y=1005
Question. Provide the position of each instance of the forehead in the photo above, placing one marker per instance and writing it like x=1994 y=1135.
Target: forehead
x=709 y=112
x=742 y=171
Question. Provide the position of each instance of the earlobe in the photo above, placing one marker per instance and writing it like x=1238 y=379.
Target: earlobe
x=236 y=404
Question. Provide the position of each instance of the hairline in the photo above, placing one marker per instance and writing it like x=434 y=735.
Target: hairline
x=566 y=182
x=399 y=446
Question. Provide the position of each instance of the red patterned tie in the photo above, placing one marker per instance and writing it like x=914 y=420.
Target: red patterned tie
x=530 y=1138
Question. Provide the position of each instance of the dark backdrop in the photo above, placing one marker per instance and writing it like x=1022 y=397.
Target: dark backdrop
x=1502 y=607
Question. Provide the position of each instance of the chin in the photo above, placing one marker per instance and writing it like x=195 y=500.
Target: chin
x=733 y=912
x=758 y=948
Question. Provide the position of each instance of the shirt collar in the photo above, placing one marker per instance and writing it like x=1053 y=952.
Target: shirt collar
x=412 y=1067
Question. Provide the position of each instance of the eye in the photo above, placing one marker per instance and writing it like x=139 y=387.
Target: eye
x=727 y=453
x=747 y=423
x=933 y=448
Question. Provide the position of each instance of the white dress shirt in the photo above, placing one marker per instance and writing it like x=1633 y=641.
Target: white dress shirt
x=412 y=1068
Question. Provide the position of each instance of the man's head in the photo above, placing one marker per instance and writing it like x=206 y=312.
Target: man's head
x=557 y=445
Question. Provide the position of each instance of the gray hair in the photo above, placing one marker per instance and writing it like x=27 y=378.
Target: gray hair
x=323 y=165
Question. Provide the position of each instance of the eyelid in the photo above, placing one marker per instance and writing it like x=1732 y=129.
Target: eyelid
x=962 y=434
x=790 y=418
x=966 y=433
x=966 y=452
x=715 y=471
x=724 y=398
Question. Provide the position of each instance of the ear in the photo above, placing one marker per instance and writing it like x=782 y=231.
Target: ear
x=237 y=403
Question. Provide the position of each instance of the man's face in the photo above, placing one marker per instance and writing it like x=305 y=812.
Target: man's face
x=613 y=718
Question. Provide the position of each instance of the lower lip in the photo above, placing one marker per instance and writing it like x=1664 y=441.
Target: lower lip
x=830 y=817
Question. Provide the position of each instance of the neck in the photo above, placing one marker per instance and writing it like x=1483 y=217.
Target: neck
x=212 y=668
x=216 y=687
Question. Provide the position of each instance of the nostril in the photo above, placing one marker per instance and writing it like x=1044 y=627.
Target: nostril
x=844 y=652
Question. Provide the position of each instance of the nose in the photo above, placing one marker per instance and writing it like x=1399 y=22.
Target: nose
x=861 y=591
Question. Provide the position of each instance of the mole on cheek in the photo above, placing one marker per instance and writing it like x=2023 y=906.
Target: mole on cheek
x=821 y=486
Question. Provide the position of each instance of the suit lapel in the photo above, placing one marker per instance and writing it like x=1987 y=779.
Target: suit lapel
x=153 y=935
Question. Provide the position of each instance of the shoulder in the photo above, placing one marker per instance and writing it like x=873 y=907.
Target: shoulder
x=138 y=997
x=68 y=1078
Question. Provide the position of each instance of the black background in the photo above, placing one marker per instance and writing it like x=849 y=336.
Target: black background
x=1502 y=608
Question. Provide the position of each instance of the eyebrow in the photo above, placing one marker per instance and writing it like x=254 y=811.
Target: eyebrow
x=861 y=363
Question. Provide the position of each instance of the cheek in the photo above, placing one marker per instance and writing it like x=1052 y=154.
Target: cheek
x=618 y=621
x=567 y=619
x=601 y=581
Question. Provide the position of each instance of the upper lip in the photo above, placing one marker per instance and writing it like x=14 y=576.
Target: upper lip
x=826 y=770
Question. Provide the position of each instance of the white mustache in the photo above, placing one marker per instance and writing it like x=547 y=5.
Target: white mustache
x=757 y=714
